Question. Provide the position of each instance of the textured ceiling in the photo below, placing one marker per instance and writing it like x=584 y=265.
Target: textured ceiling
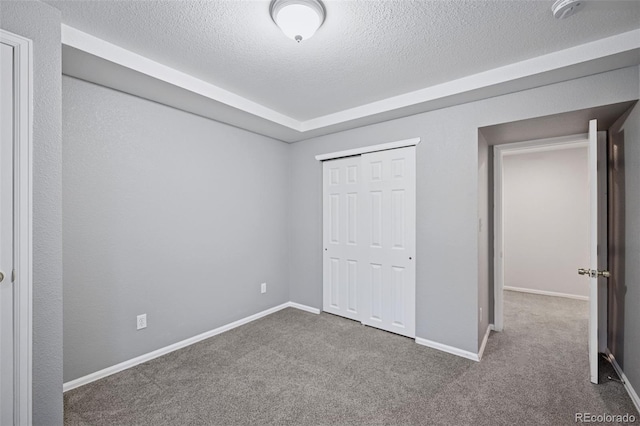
x=365 y=51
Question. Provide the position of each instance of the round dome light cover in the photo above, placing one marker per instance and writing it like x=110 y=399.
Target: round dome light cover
x=298 y=19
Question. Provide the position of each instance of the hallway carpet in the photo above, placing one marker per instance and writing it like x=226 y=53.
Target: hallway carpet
x=297 y=368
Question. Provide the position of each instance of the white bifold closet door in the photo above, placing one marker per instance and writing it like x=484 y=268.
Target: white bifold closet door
x=369 y=239
x=343 y=237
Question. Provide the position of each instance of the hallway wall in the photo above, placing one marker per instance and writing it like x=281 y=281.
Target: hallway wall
x=546 y=221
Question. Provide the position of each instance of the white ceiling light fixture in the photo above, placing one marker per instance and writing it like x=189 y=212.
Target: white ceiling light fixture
x=298 y=19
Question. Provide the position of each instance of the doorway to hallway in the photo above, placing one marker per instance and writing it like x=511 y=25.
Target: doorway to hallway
x=534 y=255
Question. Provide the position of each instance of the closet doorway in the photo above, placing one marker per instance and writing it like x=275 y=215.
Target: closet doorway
x=369 y=226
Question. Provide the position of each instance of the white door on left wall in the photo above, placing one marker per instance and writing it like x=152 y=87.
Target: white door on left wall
x=7 y=314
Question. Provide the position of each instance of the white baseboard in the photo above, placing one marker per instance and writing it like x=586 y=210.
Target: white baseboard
x=546 y=293
x=304 y=307
x=484 y=341
x=179 y=345
x=448 y=349
x=627 y=385
x=456 y=351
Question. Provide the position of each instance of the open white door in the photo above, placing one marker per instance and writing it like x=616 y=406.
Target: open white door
x=593 y=272
x=593 y=251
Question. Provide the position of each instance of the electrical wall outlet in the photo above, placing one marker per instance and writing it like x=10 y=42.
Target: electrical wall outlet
x=263 y=288
x=141 y=321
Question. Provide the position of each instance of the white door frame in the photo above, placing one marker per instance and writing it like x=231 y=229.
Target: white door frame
x=23 y=189
x=499 y=152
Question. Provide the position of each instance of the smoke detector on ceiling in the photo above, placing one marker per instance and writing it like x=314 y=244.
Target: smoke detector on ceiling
x=562 y=9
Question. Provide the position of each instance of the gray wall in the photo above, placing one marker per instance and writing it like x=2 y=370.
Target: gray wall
x=624 y=295
x=546 y=220
x=41 y=24
x=447 y=196
x=165 y=213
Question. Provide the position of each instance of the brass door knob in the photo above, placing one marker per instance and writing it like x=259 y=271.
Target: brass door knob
x=582 y=271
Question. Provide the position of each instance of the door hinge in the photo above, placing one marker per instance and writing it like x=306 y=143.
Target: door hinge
x=13 y=276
